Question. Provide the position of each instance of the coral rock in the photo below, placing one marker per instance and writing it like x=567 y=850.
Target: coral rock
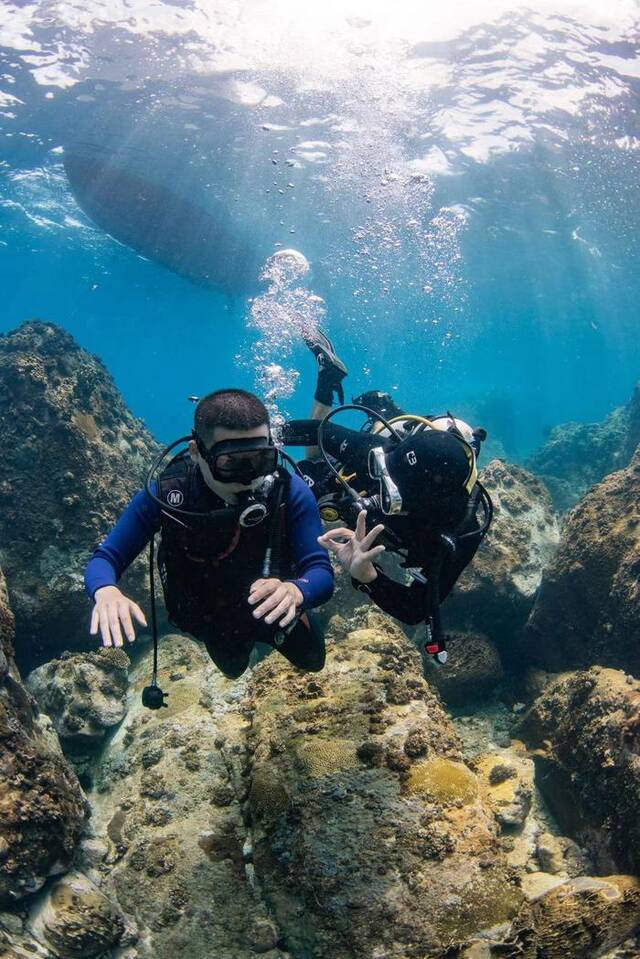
x=472 y=671
x=495 y=593
x=507 y=785
x=73 y=457
x=42 y=808
x=167 y=802
x=352 y=842
x=576 y=456
x=586 y=730
x=83 y=693
x=588 y=609
x=579 y=919
x=77 y=921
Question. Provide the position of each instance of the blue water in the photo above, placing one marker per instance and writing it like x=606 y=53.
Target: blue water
x=463 y=183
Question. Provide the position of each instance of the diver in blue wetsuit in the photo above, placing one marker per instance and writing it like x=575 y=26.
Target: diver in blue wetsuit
x=239 y=559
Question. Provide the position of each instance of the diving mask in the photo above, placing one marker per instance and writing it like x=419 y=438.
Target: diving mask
x=240 y=460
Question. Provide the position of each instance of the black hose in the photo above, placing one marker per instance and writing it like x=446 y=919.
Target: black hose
x=154 y=620
x=380 y=440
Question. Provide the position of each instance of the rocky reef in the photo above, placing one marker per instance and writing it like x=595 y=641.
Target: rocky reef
x=584 y=730
x=302 y=816
x=578 y=455
x=361 y=805
x=85 y=697
x=474 y=669
x=384 y=808
x=495 y=593
x=588 y=607
x=42 y=805
x=73 y=456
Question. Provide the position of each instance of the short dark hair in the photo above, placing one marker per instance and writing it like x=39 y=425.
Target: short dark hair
x=231 y=409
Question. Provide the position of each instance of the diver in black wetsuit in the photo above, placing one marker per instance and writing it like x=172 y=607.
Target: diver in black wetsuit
x=426 y=504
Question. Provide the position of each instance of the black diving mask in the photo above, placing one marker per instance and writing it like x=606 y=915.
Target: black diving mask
x=240 y=460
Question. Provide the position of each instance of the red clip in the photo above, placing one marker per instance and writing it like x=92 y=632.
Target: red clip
x=432 y=648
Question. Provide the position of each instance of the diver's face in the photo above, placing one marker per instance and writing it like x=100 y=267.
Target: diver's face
x=220 y=434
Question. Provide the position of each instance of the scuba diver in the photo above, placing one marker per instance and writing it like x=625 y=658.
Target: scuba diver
x=239 y=559
x=403 y=483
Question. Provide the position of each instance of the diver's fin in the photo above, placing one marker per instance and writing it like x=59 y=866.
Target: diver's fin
x=322 y=348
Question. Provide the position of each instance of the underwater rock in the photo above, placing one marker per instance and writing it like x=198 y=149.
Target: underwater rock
x=349 y=605
x=559 y=855
x=496 y=591
x=588 y=607
x=576 y=456
x=15 y=943
x=76 y=920
x=578 y=919
x=507 y=786
x=42 y=805
x=585 y=728
x=84 y=694
x=346 y=603
x=169 y=841
x=363 y=807
x=472 y=672
x=73 y=457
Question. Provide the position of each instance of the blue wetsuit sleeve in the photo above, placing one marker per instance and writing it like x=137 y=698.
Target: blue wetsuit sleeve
x=132 y=532
x=313 y=566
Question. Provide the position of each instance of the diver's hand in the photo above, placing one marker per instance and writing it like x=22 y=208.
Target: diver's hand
x=353 y=549
x=112 y=613
x=279 y=599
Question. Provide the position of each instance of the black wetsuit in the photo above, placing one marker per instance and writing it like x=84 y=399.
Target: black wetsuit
x=439 y=566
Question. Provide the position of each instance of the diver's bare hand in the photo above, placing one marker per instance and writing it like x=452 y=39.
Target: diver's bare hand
x=353 y=548
x=279 y=599
x=112 y=614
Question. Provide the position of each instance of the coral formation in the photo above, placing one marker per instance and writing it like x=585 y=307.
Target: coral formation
x=473 y=669
x=585 y=729
x=76 y=920
x=73 y=456
x=84 y=694
x=588 y=607
x=167 y=814
x=355 y=844
x=507 y=786
x=581 y=918
x=42 y=806
x=576 y=456
x=495 y=593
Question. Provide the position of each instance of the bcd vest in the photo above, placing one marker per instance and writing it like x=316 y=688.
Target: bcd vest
x=207 y=564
